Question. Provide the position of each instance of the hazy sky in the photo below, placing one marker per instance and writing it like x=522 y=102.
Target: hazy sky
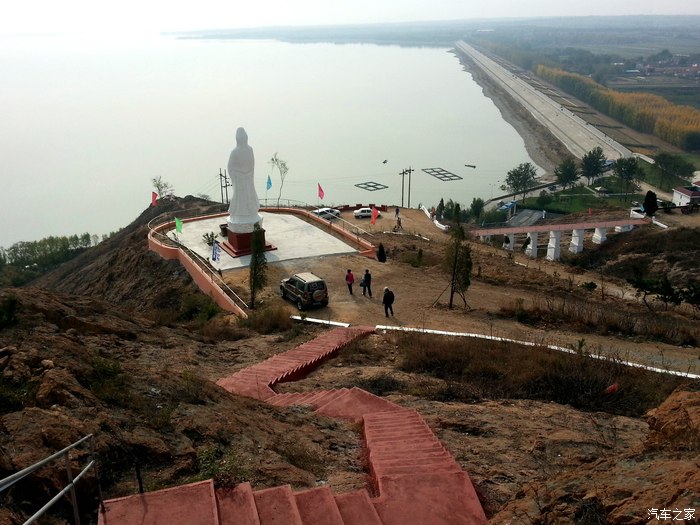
x=20 y=16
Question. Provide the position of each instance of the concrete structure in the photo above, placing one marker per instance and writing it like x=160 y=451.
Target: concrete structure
x=576 y=134
x=293 y=238
x=554 y=246
x=415 y=481
x=686 y=195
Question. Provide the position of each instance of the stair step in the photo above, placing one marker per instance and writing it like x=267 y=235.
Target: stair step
x=277 y=506
x=354 y=404
x=317 y=507
x=332 y=395
x=356 y=508
x=193 y=504
x=237 y=505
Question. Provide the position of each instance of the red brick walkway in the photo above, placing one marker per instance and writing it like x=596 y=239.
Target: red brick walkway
x=416 y=479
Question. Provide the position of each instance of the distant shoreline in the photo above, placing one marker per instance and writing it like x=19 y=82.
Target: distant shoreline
x=542 y=147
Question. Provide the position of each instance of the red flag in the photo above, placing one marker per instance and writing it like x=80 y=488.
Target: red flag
x=154 y=196
x=375 y=214
x=320 y=191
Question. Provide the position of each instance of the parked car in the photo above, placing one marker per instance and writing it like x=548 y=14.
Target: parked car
x=363 y=213
x=305 y=289
x=327 y=213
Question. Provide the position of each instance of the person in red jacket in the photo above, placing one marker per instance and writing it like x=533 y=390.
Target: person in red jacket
x=349 y=280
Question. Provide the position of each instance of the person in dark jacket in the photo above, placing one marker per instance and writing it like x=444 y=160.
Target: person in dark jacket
x=367 y=284
x=388 y=301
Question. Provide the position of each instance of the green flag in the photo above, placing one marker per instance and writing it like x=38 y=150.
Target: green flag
x=178 y=225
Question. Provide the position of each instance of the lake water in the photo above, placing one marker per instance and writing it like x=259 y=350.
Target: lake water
x=86 y=125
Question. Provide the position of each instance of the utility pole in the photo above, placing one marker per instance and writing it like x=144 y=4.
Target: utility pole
x=224 y=184
x=409 y=171
x=403 y=177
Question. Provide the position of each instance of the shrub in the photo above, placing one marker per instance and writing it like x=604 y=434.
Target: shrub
x=222 y=464
x=12 y=395
x=273 y=318
x=198 y=307
x=108 y=382
x=381 y=384
x=8 y=311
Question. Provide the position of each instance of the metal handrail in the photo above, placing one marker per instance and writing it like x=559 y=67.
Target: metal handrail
x=7 y=482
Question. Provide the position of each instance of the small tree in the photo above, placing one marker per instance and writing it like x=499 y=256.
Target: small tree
x=592 y=164
x=281 y=166
x=477 y=208
x=520 y=179
x=162 y=187
x=440 y=210
x=258 y=264
x=628 y=170
x=567 y=172
x=459 y=256
x=650 y=203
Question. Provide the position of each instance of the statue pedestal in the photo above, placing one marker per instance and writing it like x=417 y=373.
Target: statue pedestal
x=240 y=244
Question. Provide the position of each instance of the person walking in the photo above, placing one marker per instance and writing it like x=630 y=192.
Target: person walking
x=388 y=301
x=367 y=280
x=349 y=280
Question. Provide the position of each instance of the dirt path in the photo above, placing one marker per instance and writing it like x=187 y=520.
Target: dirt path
x=499 y=280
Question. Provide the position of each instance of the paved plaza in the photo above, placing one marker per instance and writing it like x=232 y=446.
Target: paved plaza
x=293 y=238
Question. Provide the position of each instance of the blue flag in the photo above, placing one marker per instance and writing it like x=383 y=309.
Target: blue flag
x=269 y=182
x=215 y=251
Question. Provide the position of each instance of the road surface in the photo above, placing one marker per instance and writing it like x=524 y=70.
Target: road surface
x=576 y=134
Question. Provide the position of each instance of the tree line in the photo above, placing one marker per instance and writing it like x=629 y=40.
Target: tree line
x=27 y=260
x=679 y=125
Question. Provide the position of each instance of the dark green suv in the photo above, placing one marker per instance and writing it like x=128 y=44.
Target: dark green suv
x=305 y=289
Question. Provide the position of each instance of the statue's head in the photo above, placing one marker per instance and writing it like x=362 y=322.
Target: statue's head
x=241 y=137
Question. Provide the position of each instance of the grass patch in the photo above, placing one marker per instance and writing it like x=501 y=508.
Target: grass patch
x=108 y=381
x=477 y=368
x=268 y=320
x=222 y=464
x=300 y=455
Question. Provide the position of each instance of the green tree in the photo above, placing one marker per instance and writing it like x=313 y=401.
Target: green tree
x=459 y=257
x=544 y=199
x=628 y=170
x=257 y=278
x=440 y=210
x=592 y=164
x=477 y=208
x=520 y=179
x=162 y=187
x=670 y=166
x=282 y=167
x=567 y=172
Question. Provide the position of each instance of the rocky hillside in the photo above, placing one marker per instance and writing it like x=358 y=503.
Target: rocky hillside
x=122 y=271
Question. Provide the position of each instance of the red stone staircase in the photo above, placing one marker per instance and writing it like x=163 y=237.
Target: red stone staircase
x=414 y=479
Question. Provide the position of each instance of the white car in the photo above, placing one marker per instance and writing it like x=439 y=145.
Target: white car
x=327 y=213
x=363 y=213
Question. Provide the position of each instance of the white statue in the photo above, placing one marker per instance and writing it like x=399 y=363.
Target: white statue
x=244 y=207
